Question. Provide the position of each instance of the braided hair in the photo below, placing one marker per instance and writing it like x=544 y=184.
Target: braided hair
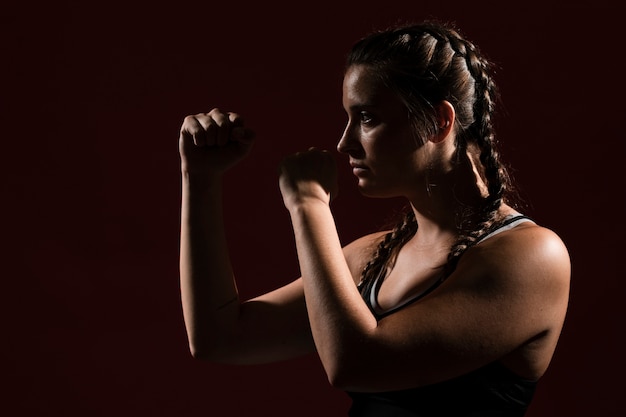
x=424 y=65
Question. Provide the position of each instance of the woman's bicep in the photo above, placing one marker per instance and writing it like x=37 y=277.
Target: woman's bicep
x=271 y=327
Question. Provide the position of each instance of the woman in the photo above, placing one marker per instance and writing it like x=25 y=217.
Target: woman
x=454 y=312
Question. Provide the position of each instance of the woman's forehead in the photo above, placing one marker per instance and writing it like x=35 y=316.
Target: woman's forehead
x=361 y=85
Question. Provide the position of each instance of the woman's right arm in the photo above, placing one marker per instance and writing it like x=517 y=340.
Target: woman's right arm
x=219 y=326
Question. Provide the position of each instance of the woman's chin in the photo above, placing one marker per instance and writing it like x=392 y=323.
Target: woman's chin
x=368 y=189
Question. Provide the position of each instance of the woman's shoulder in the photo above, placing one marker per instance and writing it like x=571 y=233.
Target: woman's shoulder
x=525 y=252
x=527 y=238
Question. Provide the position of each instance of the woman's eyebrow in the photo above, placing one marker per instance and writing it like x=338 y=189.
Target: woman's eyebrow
x=362 y=106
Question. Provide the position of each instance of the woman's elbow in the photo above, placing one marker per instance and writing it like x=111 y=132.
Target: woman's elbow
x=340 y=375
x=222 y=353
x=205 y=350
x=200 y=354
x=337 y=381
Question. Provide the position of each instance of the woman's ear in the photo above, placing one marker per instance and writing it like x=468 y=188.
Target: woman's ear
x=445 y=120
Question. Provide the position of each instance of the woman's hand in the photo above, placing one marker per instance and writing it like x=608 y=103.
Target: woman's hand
x=306 y=176
x=211 y=143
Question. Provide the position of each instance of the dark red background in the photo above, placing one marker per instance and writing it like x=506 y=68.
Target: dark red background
x=93 y=95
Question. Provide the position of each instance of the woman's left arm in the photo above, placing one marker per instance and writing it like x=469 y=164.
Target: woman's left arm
x=504 y=293
x=337 y=314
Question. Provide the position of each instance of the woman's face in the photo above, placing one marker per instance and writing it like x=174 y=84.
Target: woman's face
x=386 y=156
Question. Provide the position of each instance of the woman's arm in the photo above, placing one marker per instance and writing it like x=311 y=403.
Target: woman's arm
x=219 y=327
x=208 y=291
x=338 y=317
x=504 y=294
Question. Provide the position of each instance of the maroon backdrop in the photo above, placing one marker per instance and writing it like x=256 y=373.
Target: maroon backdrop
x=92 y=98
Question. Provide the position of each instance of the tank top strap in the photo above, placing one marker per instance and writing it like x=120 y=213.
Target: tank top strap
x=508 y=223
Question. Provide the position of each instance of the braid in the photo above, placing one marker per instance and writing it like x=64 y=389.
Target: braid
x=482 y=132
x=482 y=129
x=424 y=65
x=388 y=248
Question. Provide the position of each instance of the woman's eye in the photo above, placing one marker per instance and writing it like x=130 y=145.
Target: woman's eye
x=365 y=117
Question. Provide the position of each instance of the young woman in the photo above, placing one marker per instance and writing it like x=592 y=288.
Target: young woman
x=454 y=312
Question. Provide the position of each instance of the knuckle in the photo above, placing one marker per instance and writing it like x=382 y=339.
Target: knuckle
x=235 y=118
x=216 y=112
x=188 y=120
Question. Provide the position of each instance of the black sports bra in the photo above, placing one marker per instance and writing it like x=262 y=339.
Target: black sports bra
x=490 y=391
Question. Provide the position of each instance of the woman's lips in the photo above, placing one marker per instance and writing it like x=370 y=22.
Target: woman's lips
x=358 y=169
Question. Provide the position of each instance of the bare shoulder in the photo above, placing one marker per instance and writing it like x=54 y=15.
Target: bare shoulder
x=360 y=251
x=523 y=255
x=528 y=242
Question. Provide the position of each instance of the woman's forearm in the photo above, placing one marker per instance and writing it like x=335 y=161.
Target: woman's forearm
x=339 y=318
x=208 y=290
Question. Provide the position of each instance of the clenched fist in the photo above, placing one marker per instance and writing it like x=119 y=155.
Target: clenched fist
x=308 y=175
x=212 y=142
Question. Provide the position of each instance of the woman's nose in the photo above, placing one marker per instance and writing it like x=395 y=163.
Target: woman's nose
x=348 y=141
